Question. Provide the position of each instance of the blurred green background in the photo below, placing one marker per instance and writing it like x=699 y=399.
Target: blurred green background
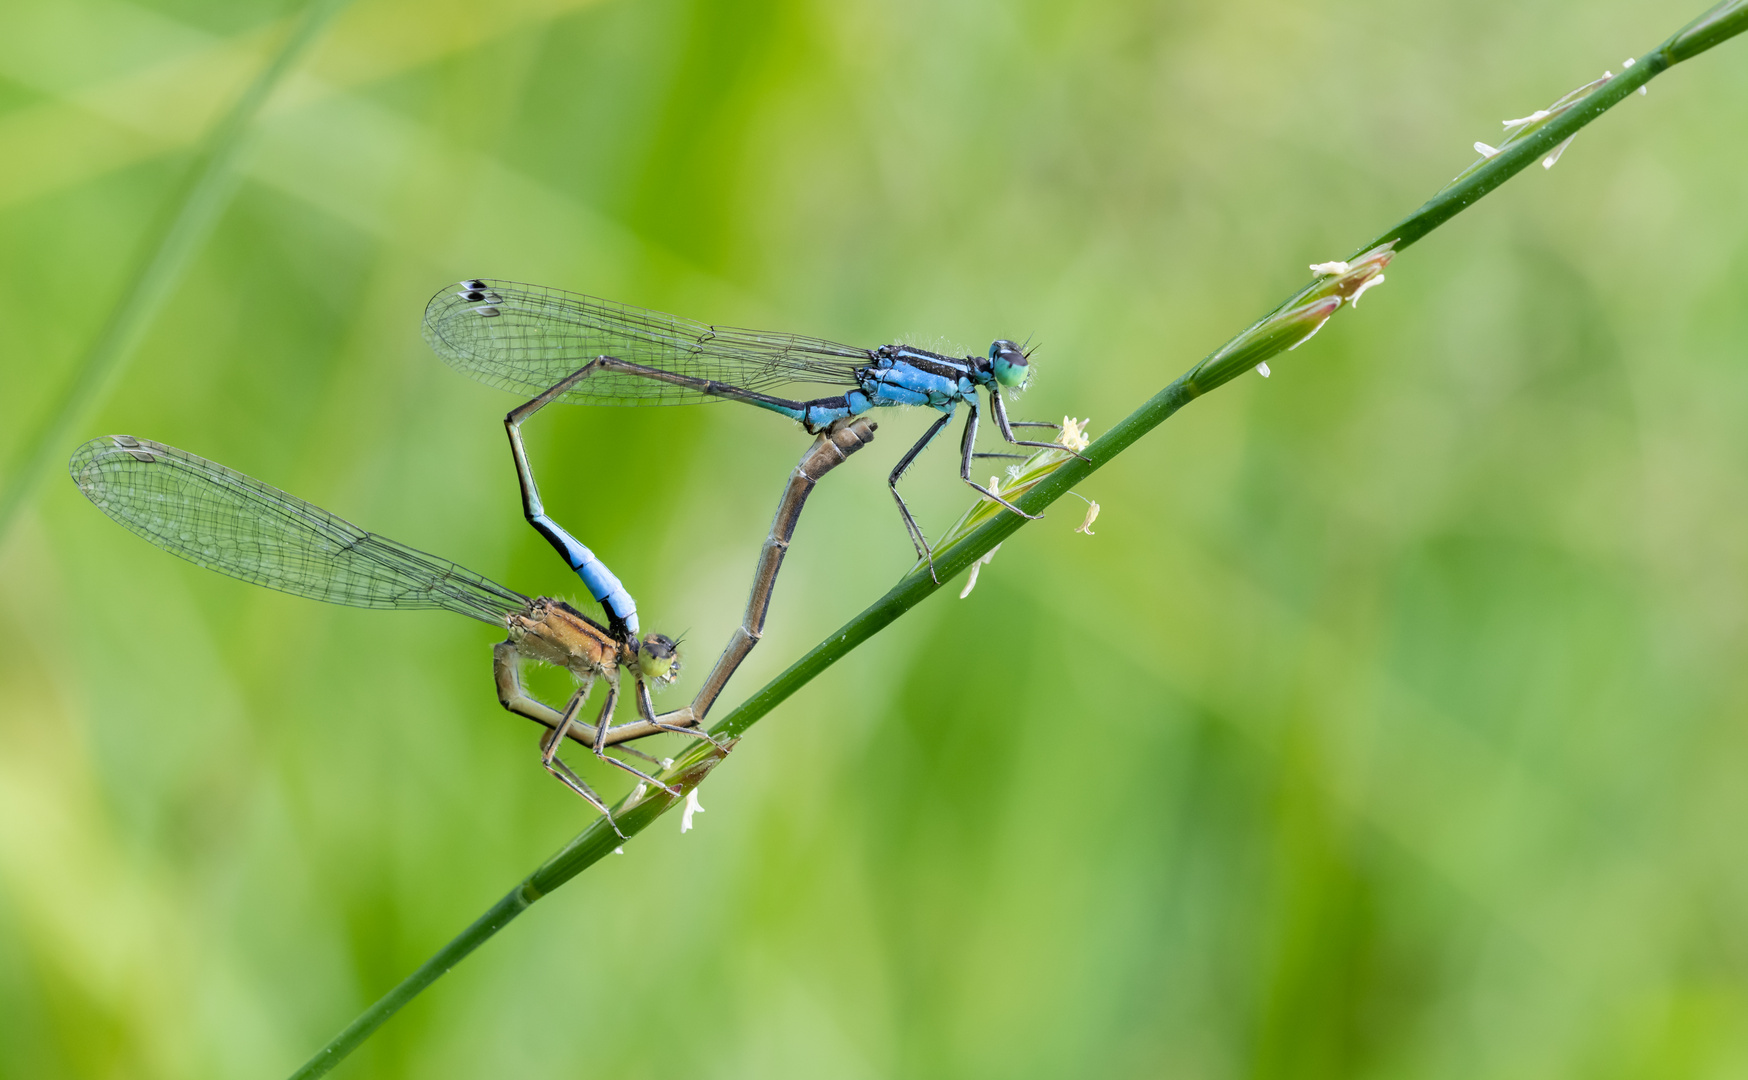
x=1391 y=724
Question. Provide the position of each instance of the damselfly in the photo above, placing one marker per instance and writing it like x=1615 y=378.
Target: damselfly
x=225 y=521
x=564 y=346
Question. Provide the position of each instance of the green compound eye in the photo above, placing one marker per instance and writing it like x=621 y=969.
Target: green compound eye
x=659 y=658
x=1009 y=365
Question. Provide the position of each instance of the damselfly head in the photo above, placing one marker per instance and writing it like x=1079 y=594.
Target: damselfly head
x=658 y=659
x=1009 y=364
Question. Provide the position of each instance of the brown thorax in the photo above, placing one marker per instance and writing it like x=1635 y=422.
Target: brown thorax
x=553 y=632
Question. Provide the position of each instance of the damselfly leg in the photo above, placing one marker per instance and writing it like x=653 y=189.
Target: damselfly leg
x=967 y=452
x=910 y=526
x=564 y=773
x=646 y=709
x=506 y=669
x=966 y=443
x=550 y=743
x=1006 y=427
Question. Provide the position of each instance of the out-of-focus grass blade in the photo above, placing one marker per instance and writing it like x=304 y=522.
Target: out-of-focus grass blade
x=175 y=238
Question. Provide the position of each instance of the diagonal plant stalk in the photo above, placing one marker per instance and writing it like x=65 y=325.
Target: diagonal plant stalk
x=173 y=241
x=1285 y=327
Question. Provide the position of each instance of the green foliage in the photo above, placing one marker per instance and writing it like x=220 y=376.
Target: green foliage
x=1386 y=726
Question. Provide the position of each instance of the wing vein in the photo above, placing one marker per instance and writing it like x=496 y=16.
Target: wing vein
x=236 y=525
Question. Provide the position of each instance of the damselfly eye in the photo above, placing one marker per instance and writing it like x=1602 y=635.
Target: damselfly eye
x=1008 y=363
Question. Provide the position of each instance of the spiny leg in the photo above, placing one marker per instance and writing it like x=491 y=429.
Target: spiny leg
x=600 y=747
x=635 y=752
x=966 y=443
x=570 y=779
x=646 y=709
x=506 y=668
x=1007 y=427
x=541 y=713
x=555 y=765
x=552 y=740
x=916 y=534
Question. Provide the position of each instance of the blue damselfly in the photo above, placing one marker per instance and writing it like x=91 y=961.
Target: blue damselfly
x=565 y=346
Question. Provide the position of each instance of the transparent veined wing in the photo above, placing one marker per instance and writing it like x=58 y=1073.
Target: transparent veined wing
x=526 y=338
x=225 y=521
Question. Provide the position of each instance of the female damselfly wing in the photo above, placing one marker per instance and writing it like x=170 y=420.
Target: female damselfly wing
x=225 y=521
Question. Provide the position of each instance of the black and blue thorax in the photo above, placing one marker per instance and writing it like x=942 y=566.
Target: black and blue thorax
x=901 y=375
